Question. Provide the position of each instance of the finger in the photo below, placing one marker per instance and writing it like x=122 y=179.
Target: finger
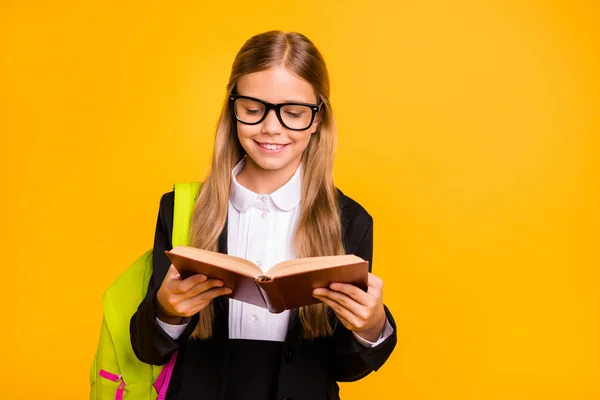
x=187 y=284
x=172 y=273
x=171 y=279
x=341 y=312
x=344 y=322
x=201 y=288
x=342 y=299
x=196 y=309
x=357 y=294
x=375 y=285
x=197 y=303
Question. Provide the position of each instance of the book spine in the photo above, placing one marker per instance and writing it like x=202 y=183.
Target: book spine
x=271 y=295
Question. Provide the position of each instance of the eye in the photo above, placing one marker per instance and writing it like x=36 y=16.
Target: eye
x=295 y=111
x=293 y=115
x=253 y=111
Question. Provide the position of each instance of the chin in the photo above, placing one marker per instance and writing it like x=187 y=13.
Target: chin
x=270 y=165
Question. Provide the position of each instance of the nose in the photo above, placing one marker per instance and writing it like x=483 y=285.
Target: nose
x=271 y=124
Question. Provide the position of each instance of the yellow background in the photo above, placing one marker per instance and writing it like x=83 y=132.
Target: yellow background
x=468 y=129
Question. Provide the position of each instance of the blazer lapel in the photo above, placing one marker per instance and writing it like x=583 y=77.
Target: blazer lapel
x=294 y=326
x=222 y=301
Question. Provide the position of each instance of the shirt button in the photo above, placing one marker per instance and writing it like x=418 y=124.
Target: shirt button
x=288 y=356
x=264 y=199
x=265 y=215
x=254 y=318
x=259 y=263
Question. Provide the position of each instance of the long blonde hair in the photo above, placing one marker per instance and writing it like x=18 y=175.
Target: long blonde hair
x=318 y=232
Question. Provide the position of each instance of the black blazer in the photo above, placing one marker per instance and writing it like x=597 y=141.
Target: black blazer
x=309 y=369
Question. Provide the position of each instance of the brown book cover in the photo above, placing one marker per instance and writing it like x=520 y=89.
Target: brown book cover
x=285 y=286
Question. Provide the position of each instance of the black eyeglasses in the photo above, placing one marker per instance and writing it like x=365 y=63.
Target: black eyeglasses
x=293 y=116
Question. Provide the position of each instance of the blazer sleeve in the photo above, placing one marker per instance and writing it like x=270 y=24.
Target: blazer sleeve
x=150 y=343
x=351 y=360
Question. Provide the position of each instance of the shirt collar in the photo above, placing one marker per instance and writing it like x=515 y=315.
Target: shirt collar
x=285 y=198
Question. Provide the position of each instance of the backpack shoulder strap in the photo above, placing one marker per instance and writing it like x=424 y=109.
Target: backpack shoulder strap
x=124 y=295
x=185 y=198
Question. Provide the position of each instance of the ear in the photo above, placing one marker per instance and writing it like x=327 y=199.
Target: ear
x=316 y=122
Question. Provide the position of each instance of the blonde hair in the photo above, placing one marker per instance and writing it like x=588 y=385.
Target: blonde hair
x=318 y=232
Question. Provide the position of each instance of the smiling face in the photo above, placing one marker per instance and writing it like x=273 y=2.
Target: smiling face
x=270 y=145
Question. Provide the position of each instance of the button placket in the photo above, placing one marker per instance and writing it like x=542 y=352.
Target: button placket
x=259 y=232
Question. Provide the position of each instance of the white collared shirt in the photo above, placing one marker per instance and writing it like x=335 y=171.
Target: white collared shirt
x=260 y=228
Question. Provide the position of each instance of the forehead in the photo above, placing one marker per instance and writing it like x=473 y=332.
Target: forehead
x=276 y=85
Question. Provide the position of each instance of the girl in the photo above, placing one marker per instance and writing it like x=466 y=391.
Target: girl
x=269 y=197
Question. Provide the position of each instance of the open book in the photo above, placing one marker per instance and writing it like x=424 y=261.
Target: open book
x=285 y=286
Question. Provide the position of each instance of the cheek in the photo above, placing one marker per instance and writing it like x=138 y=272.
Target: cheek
x=247 y=131
x=301 y=137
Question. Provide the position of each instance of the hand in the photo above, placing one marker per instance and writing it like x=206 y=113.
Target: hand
x=358 y=311
x=179 y=298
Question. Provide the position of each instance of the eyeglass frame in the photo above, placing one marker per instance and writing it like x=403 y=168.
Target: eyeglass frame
x=315 y=108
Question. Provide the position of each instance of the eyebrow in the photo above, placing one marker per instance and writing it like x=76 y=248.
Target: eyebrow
x=284 y=101
x=298 y=101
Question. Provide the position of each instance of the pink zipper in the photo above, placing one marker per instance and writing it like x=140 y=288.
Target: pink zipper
x=115 y=378
x=161 y=384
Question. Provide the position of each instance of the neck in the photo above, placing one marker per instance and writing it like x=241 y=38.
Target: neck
x=263 y=181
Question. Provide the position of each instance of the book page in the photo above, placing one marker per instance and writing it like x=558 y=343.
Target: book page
x=226 y=261
x=292 y=267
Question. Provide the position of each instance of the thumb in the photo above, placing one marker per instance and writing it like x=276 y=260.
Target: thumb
x=375 y=285
x=172 y=273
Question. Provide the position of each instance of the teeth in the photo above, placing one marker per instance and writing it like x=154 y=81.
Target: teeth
x=272 y=146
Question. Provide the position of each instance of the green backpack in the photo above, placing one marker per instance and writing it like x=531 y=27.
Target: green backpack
x=116 y=371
